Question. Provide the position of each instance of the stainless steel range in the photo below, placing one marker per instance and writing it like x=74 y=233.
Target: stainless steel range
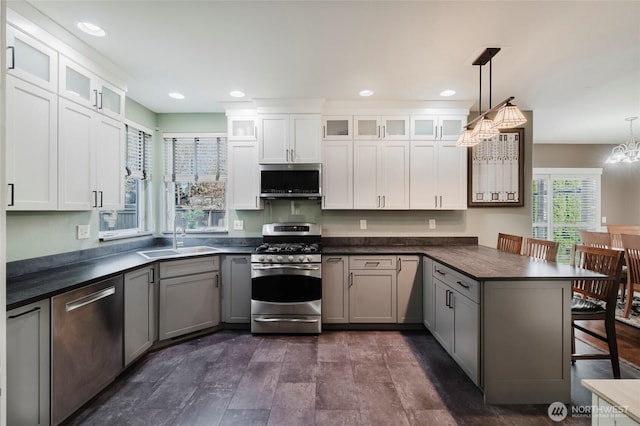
x=286 y=279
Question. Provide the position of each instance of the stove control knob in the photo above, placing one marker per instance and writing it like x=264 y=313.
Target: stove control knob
x=261 y=258
x=269 y=258
x=290 y=258
x=301 y=259
x=279 y=258
x=309 y=258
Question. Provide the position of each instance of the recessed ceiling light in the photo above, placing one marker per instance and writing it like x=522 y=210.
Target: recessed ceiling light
x=448 y=92
x=236 y=94
x=91 y=29
x=365 y=92
x=176 y=95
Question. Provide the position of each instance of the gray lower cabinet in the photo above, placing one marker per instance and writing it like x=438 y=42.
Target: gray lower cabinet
x=427 y=292
x=335 y=289
x=456 y=318
x=28 y=360
x=236 y=289
x=189 y=297
x=372 y=289
x=139 y=312
x=409 y=290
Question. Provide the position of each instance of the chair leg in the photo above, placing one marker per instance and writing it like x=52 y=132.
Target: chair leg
x=629 y=301
x=610 y=327
x=573 y=342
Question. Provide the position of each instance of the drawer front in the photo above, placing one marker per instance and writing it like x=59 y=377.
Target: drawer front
x=372 y=262
x=176 y=268
x=459 y=282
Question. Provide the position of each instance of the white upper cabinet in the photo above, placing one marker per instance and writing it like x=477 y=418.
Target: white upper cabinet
x=86 y=88
x=437 y=127
x=244 y=176
x=242 y=128
x=337 y=175
x=91 y=159
x=391 y=127
x=381 y=175
x=31 y=146
x=337 y=127
x=438 y=176
x=31 y=60
x=289 y=138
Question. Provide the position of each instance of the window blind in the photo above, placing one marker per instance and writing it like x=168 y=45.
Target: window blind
x=564 y=203
x=198 y=159
x=139 y=153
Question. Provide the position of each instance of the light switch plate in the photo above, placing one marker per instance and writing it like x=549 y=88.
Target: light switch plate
x=83 y=232
x=432 y=224
x=363 y=223
x=238 y=225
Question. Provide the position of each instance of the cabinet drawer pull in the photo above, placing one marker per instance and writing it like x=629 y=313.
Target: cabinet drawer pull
x=351 y=279
x=372 y=263
x=460 y=283
x=440 y=272
x=93 y=297
x=334 y=259
x=24 y=313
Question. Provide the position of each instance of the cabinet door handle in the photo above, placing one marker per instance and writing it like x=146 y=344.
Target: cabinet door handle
x=11 y=196
x=37 y=308
x=95 y=93
x=384 y=201
x=99 y=103
x=446 y=298
x=152 y=275
x=324 y=132
x=350 y=279
x=441 y=132
x=217 y=280
x=435 y=201
x=450 y=300
x=441 y=201
x=399 y=264
x=463 y=285
x=95 y=199
x=384 y=132
x=287 y=154
x=257 y=200
x=13 y=57
x=378 y=201
x=292 y=156
x=101 y=198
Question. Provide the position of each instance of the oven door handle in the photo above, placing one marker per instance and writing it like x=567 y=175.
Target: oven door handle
x=298 y=267
x=286 y=320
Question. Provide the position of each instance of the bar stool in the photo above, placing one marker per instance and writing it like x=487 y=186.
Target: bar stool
x=509 y=243
x=540 y=249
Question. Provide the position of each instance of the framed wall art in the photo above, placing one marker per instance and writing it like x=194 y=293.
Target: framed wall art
x=496 y=171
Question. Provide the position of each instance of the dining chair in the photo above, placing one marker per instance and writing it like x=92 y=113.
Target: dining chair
x=631 y=244
x=595 y=300
x=509 y=243
x=540 y=249
x=595 y=239
x=617 y=230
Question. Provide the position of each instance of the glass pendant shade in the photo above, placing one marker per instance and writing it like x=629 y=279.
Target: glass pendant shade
x=484 y=129
x=508 y=117
x=628 y=152
x=467 y=139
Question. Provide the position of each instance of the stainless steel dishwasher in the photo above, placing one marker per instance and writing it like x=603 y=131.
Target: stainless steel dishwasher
x=86 y=344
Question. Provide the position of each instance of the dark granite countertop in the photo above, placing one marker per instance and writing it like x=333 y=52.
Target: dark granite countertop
x=31 y=287
x=478 y=262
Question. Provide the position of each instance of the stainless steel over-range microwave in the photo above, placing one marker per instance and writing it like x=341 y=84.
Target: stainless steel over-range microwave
x=291 y=180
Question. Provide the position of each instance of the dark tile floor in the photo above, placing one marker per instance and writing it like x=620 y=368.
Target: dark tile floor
x=335 y=378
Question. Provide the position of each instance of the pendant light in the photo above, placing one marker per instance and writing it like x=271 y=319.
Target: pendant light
x=506 y=115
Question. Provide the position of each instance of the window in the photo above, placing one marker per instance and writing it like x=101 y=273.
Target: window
x=131 y=221
x=196 y=182
x=565 y=201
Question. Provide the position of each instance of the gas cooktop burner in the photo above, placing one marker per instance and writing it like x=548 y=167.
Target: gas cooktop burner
x=288 y=248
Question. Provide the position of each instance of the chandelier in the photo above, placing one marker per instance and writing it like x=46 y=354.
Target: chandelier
x=504 y=115
x=628 y=152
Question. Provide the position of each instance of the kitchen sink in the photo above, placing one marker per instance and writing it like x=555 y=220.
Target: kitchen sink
x=179 y=252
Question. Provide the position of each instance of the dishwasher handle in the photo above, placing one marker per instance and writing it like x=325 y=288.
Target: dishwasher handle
x=90 y=298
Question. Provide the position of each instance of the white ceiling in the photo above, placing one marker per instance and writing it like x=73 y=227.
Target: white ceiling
x=575 y=64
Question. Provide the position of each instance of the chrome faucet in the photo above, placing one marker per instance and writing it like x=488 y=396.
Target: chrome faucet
x=183 y=233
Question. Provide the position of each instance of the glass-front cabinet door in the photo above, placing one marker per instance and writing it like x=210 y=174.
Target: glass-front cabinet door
x=30 y=60
x=451 y=126
x=242 y=128
x=366 y=127
x=337 y=127
x=423 y=127
x=395 y=127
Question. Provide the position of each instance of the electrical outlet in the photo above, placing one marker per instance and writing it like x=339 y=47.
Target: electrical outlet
x=238 y=225
x=363 y=223
x=604 y=220
x=432 y=224
x=83 y=231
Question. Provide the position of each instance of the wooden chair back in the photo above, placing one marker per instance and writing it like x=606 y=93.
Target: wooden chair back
x=595 y=239
x=616 y=232
x=509 y=243
x=631 y=245
x=540 y=249
x=603 y=260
